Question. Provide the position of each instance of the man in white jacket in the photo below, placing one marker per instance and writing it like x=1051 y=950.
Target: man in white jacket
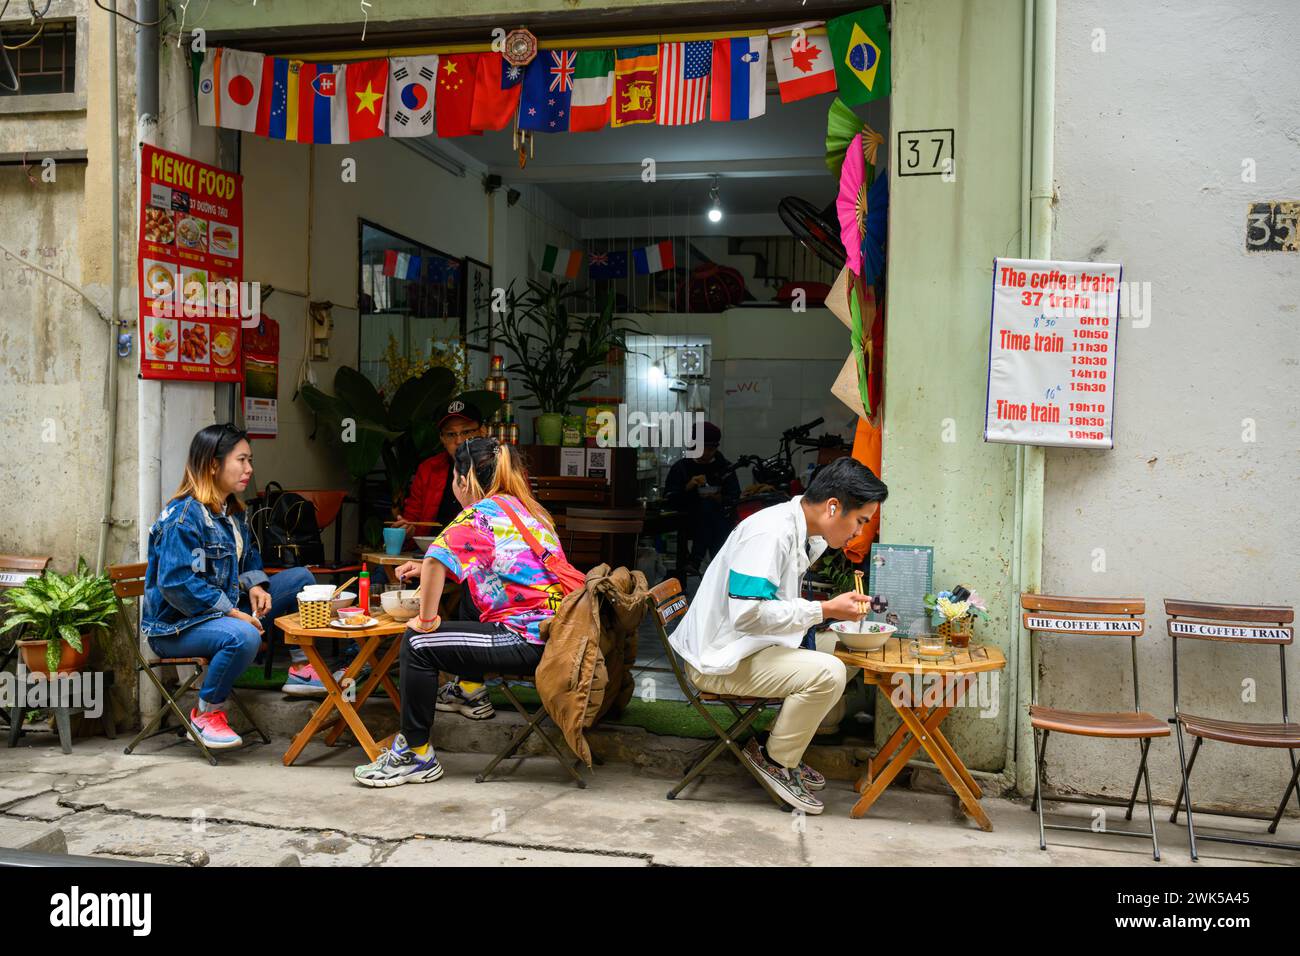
x=745 y=631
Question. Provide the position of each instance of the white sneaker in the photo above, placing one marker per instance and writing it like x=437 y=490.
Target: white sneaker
x=453 y=699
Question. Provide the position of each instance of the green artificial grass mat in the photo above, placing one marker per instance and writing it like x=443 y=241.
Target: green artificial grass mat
x=666 y=718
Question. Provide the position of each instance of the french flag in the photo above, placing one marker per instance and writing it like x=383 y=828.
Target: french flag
x=739 y=78
x=656 y=258
x=401 y=265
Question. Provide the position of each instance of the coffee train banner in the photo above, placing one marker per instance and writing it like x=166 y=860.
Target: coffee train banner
x=191 y=268
x=549 y=90
x=1052 y=353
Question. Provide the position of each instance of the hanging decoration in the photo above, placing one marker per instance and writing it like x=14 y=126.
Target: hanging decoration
x=463 y=94
x=521 y=47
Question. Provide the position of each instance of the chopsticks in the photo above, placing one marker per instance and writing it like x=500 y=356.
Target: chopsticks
x=339 y=589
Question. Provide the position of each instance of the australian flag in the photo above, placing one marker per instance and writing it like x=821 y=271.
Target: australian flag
x=548 y=91
x=607 y=265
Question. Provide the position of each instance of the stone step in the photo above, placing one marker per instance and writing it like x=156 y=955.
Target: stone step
x=31 y=836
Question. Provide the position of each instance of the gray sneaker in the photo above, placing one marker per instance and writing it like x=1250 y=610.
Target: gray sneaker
x=453 y=699
x=786 y=784
x=398 y=765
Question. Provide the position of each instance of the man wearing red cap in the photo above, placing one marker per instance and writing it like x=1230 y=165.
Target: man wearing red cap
x=431 y=498
x=707 y=490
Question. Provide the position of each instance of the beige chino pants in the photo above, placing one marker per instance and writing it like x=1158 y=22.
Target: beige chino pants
x=808 y=682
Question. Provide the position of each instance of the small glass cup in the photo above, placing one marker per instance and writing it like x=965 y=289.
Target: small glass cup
x=931 y=646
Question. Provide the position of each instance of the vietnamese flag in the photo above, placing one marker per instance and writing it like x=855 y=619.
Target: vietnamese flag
x=367 y=84
x=496 y=92
x=454 y=97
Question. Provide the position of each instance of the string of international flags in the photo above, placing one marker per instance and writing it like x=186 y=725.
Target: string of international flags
x=464 y=94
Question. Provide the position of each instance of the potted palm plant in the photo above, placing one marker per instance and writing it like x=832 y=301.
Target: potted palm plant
x=64 y=612
x=555 y=348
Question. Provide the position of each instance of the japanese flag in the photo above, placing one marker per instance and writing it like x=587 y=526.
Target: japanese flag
x=238 y=76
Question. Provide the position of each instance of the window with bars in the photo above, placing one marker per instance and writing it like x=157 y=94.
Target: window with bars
x=43 y=58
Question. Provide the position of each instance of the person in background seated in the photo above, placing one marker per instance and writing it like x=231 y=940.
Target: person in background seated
x=431 y=497
x=484 y=550
x=205 y=593
x=747 y=631
x=707 y=490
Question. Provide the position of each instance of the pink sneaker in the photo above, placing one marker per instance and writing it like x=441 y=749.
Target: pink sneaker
x=303 y=682
x=214 y=729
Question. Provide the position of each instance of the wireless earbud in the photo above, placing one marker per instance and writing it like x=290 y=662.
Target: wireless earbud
x=832 y=509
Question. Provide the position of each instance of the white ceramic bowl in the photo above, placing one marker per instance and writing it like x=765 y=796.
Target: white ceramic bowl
x=422 y=541
x=345 y=599
x=400 y=605
x=853 y=636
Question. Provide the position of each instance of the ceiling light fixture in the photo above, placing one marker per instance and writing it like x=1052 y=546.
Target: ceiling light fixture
x=715 y=210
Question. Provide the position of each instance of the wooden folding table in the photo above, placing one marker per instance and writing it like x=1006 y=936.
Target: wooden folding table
x=347 y=704
x=908 y=683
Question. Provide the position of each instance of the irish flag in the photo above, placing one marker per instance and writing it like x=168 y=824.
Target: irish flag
x=593 y=85
x=562 y=262
x=654 y=258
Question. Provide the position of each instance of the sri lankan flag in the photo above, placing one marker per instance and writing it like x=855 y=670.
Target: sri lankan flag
x=636 y=76
x=860 y=51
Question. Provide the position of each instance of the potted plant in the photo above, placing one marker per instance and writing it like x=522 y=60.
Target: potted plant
x=401 y=431
x=63 y=612
x=954 y=612
x=555 y=349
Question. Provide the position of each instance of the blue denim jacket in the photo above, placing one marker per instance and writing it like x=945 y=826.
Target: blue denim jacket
x=193 y=574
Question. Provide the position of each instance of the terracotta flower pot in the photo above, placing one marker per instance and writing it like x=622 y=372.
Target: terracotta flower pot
x=70 y=662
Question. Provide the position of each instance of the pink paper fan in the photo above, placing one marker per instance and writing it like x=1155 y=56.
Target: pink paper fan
x=851 y=204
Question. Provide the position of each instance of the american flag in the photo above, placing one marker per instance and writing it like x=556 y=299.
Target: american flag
x=684 y=81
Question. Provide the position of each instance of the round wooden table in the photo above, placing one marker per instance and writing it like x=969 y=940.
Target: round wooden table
x=923 y=692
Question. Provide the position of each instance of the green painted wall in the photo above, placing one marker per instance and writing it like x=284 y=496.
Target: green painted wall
x=957 y=64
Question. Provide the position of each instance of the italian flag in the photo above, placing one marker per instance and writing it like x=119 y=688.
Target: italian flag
x=562 y=262
x=593 y=87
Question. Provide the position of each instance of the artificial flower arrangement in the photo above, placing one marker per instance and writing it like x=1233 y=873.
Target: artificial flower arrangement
x=954 y=613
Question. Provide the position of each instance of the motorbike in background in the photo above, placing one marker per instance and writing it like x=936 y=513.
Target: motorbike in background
x=776 y=471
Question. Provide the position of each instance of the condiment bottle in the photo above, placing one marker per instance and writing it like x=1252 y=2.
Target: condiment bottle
x=363 y=590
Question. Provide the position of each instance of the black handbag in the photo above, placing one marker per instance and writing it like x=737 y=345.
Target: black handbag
x=284 y=526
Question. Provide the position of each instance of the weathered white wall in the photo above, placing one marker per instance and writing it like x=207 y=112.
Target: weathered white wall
x=1151 y=136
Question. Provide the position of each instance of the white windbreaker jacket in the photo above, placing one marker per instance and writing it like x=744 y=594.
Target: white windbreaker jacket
x=749 y=598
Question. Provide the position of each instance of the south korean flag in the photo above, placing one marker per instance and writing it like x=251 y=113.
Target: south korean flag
x=411 y=82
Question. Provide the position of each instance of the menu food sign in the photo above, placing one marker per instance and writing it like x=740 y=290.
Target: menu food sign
x=191 y=268
x=1052 y=341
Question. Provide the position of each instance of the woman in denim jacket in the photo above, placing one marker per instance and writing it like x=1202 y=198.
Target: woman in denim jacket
x=205 y=591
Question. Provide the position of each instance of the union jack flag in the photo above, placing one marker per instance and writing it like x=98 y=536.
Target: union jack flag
x=563 y=63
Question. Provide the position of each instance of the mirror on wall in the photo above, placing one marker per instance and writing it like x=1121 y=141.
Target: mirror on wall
x=411 y=299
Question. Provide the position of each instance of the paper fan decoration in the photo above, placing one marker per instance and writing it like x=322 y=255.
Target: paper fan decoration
x=872 y=252
x=842 y=125
x=851 y=204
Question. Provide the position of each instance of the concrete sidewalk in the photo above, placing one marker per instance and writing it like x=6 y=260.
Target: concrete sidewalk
x=167 y=805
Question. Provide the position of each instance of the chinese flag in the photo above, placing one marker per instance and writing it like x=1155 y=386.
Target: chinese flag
x=367 y=85
x=454 y=97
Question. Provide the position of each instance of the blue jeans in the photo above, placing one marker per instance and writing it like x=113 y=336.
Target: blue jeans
x=228 y=643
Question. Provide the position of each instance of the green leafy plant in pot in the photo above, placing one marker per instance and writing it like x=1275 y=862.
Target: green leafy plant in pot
x=401 y=430
x=62 y=612
x=556 y=343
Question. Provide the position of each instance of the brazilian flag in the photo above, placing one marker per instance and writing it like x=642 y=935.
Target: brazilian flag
x=860 y=52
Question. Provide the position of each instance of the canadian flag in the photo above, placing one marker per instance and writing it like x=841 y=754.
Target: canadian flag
x=802 y=59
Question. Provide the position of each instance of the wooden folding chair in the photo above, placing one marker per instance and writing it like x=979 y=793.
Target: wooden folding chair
x=128 y=581
x=1091 y=617
x=669 y=604
x=592 y=536
x=1234 y=624
x=532 y=725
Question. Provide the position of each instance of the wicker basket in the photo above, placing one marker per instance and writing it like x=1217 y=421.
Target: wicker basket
x=957 y=632
x=315 y=613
